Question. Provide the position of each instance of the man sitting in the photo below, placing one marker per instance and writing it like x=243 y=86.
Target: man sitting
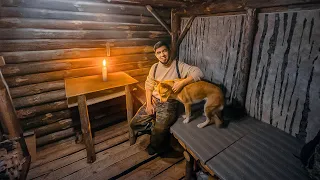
x=154 y=115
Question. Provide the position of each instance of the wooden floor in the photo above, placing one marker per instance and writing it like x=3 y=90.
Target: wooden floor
x=116 y=159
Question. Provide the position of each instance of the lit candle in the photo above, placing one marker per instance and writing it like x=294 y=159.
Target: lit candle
x=104 y=70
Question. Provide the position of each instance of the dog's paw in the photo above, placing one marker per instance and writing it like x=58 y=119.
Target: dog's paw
x=186 y=121
x=184 y=116
x=201 y=125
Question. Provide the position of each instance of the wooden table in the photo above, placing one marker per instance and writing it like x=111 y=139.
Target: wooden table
x=79 y=87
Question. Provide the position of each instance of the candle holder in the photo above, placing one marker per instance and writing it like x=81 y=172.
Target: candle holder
x=104 y=70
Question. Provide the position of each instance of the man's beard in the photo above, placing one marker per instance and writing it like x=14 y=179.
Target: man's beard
x=167 y=62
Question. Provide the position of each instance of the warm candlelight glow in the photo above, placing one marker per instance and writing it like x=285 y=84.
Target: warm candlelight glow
x=104 y=70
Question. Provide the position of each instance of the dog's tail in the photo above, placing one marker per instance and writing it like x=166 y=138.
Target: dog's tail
x=233 y=111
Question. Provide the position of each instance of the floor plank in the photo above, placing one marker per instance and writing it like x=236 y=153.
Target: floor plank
x=153 y=168
x=67 y=148
x=175 y=172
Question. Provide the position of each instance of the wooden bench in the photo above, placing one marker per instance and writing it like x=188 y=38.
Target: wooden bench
x=246 y=149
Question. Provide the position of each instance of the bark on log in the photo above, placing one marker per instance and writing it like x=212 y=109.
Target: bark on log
x=41 y=109
x=76 y=25
x=59 y=75
x=45 y=119
x=38 y=99
x=31 y=56
x=7 y=33
x=250 y=28
x=68 y=15
x=86 y=128
x=55 y=136
x=32 y=89
x=54 y=127
x=76 y=6
x=51 y=44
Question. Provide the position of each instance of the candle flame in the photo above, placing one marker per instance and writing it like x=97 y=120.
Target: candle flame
x=104 y=62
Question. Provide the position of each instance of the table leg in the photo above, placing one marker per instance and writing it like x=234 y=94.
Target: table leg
x=86 y=128
x=129 y=105
x=189 y=165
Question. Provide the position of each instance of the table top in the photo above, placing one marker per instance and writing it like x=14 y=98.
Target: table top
x=88 y=84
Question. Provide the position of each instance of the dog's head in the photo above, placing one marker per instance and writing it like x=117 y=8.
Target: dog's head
x=164 y=89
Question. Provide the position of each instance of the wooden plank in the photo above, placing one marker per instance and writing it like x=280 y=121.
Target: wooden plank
x=76 y=25
x=116 y=51
x=106 y=147
x=77 y=34
x=86 y=128
x=152 y=168
x=38 y=99
x=79 y=6
x=177 y=171
x=104 y=160
x=66 y=64
x=49 y=154
x=68 y=15
x=41 y=109
x=54 y=127
x=185 y=30
x=50 y=44
x=36 y=88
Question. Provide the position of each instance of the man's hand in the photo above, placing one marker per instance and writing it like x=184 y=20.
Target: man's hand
x=150 y=109
x=177 y=86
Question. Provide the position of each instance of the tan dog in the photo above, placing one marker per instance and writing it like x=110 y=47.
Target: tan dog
x=194 y=93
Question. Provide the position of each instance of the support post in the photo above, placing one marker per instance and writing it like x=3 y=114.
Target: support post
x=175 y=31
x=86 y=128
x=185 y=30
x=129 y=106
x=250 y=28
x=189 y=165
x=156 y=15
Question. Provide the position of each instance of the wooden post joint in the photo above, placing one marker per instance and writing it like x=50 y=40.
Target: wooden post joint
x=156 y=15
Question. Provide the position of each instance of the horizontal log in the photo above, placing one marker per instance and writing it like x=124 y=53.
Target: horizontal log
x=50 y=44
x=158 y=3
x=59 y=75
x=31 y=56
x=138 y=72
x=45 y=119
x=71 y=131
x=79 y=6
x=39 y=67
x=77 y=34
x=58 y=126
x=75 y=25
x=36 y=88
x=41 y=109
x=52 y=117
x=222 y=6
x=38 y=99
x=68 y=15
x=67 y=123
x=55 y=136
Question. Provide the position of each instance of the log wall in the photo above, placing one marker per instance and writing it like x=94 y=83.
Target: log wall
x=43 y=42
x=284 y=80
x=214 y=45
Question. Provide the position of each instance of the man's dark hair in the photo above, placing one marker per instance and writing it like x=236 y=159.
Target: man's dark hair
x=159 y=44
